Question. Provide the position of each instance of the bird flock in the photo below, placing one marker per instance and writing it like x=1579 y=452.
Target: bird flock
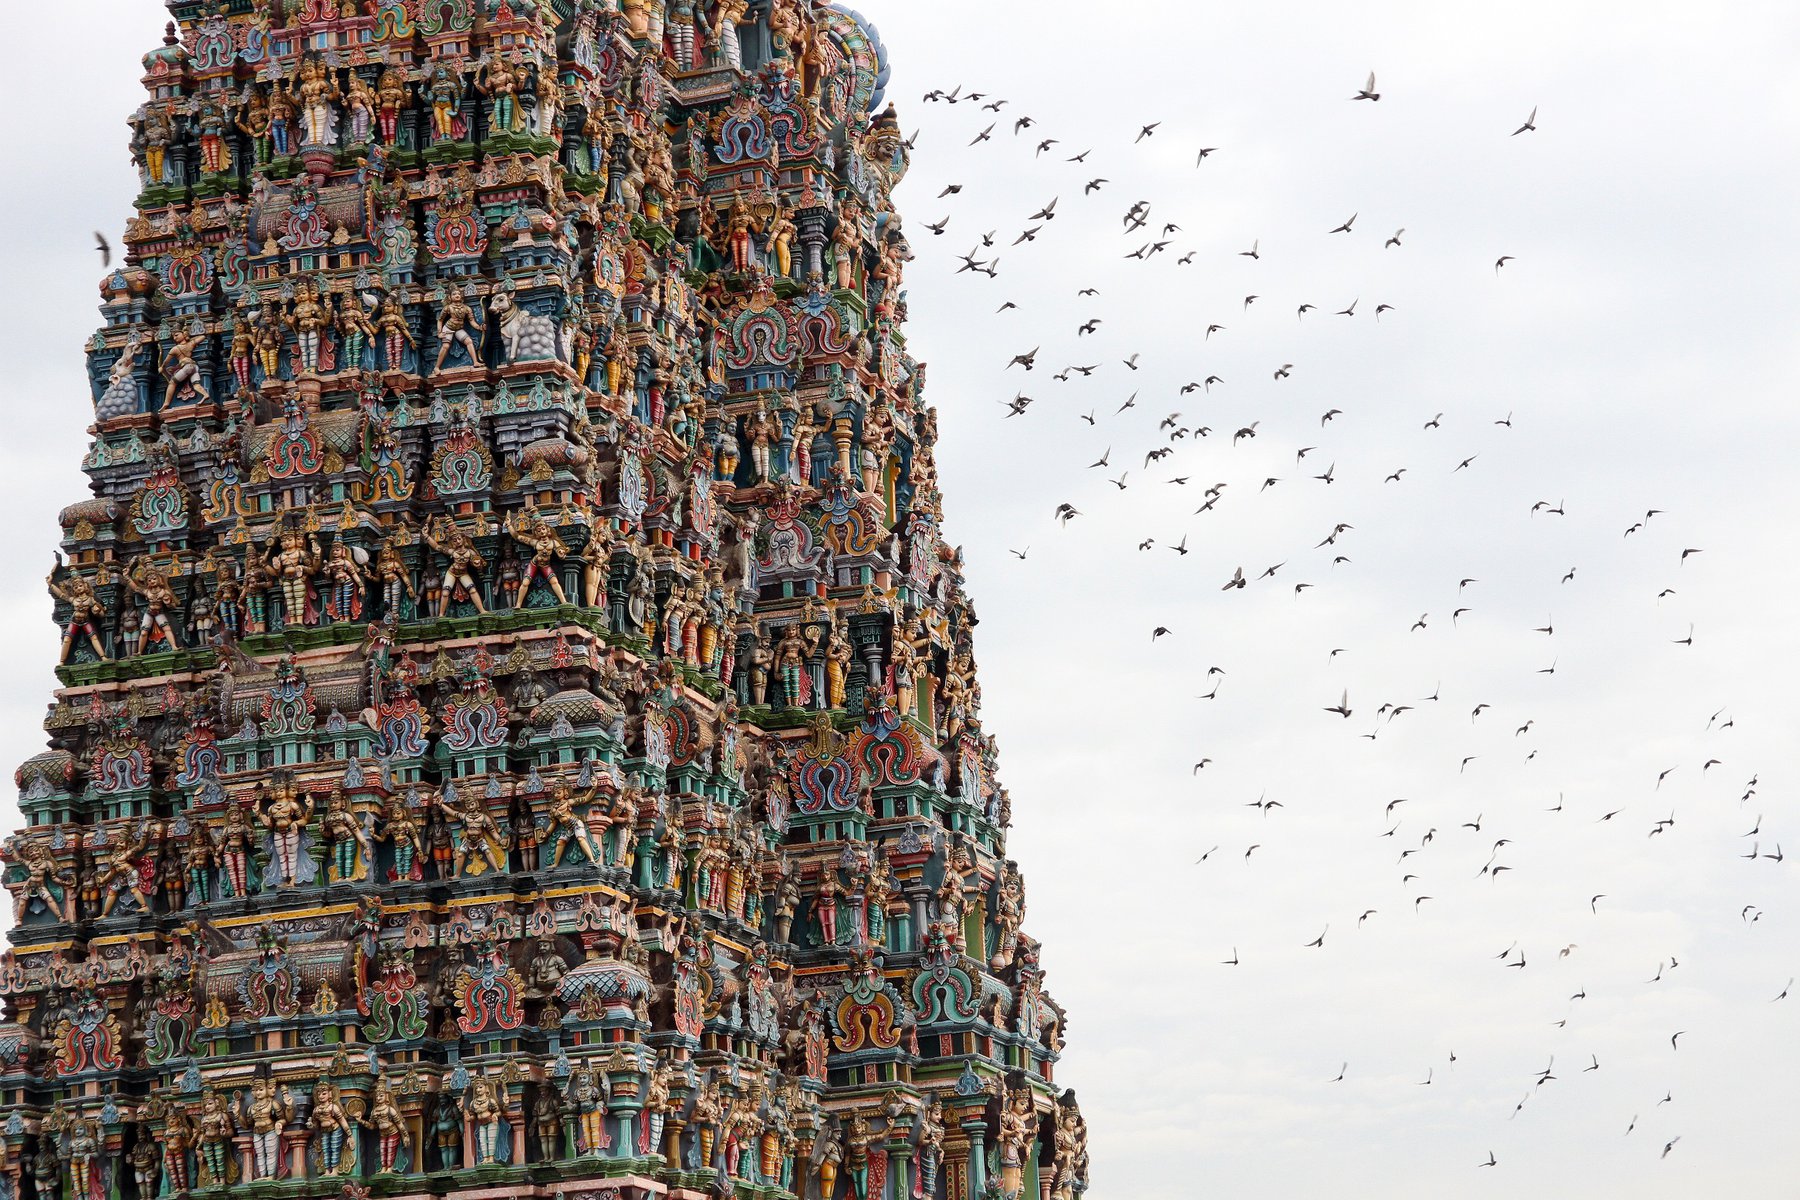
x=1226 y=443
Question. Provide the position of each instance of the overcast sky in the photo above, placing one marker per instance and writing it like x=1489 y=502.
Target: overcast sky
x=1640 y=344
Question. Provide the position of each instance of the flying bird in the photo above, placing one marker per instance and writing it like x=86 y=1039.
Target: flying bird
x=1368 y=91
x=1530 y=125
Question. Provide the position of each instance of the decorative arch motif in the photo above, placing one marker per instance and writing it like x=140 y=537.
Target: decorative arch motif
x=462 y=464
x=188 y=271
x=868 y=1014
x=475 y=720
x=890 y=750
x=686 y=738
x=944 y=993
x=791 y=545
x=743 y=134
x=88 y=1040
x=856 y=38
x=400 y=724
x=823 y=776
x=120 y=764
x=761 y=337
x=214 y=47
x=487 y=995
x=657 y=739
x=394 y=19
x=446 y=16
x=161 y=506
x=825 y=327
x=852 y=521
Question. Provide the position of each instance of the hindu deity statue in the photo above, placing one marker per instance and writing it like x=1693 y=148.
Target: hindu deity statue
x=150 y=582
x=459 y=580
x=480 y=845
x=390 y=1127
x=482 y=1107
x=546 y=547
x=284 y=811
x=347 y=844
x=400 y=829
x=85 y=610
x=335 y=1129
x=315 y=94
x=293 y=561
x=587 y=1096
x=267 y=1110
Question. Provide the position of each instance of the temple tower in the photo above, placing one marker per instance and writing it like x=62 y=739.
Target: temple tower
x=518 y=731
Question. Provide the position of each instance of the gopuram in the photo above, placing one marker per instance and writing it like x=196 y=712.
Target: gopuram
x=518 y=732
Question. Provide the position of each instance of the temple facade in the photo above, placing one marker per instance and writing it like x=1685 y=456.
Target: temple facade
x=518 y=731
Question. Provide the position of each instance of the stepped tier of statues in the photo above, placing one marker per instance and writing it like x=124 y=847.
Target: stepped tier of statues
x=518 y=730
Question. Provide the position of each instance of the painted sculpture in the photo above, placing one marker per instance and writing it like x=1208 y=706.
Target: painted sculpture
x=516 y=704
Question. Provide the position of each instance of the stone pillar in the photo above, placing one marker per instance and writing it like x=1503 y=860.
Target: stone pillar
x=294 y=1146
x=977 y=1131
x=241 y=1146
x=900 y=1156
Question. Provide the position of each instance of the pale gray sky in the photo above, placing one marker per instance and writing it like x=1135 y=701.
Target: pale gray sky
x=1642 y=343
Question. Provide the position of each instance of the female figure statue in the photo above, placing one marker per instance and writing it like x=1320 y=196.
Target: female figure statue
x=482 y=1107
x=348 y=845
x=401 y=830
x=334 y=1126
x=235 y=841
x=389 y=1124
